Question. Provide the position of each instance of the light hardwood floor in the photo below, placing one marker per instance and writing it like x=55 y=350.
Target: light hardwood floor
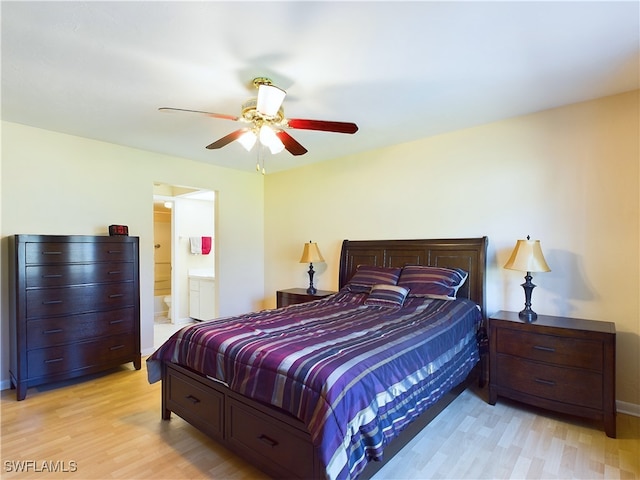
x=109 y=426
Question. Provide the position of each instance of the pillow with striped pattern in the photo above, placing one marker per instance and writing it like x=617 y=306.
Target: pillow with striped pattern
x=367 y=276
x=432 y=282
x=386 y=296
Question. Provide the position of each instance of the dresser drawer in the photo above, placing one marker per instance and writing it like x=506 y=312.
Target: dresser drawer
x=201 y=406
x=568 y=385
x=75 y=274
x=563 y=351
x=269 y=442
x=78 y=299
x=78 y=252
x=48 y=332
x=67 y=358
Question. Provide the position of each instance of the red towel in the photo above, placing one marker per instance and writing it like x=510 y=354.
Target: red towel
x=206 y=245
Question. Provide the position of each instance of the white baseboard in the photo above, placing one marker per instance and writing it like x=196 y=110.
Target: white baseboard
x=628 y=408
x=5 y=384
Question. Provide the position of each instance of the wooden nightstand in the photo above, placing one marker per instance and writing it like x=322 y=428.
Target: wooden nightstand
x=291 y=296
x=563 y=364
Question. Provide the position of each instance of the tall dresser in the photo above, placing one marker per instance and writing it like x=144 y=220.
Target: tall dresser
x=75 y=306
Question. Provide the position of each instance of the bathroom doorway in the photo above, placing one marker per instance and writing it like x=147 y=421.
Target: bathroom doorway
x=181 y=215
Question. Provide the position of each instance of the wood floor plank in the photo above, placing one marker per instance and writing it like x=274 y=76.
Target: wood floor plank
x=108 y=427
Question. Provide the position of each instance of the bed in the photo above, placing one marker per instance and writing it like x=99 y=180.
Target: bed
x=335 y=387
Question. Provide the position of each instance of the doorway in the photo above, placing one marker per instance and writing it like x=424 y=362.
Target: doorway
x=181 y=215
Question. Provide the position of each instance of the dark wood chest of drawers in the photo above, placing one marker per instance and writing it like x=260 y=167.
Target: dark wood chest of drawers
x=558 y=363
x=75 y=306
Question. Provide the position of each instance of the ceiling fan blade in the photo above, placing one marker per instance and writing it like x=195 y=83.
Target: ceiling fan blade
x=227 y=139
x=290 y=143
x=323 y=125
x=224 y=116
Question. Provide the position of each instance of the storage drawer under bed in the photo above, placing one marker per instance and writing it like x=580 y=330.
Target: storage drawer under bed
x=198 y=404
x=273 y=440
x=269 y=442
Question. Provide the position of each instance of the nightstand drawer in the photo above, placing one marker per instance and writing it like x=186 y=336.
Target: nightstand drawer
x=567 y=385
x=563 y=351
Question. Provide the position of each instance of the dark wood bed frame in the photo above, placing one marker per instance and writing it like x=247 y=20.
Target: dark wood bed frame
x=278 y=443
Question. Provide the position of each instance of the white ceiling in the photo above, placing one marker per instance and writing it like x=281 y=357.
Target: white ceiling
x=400 y=70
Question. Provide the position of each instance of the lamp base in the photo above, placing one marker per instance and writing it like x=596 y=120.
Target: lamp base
x=311 y=290
x=528 y=315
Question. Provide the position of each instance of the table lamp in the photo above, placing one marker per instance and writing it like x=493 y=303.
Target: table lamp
x=311 y=254
x=527 y=257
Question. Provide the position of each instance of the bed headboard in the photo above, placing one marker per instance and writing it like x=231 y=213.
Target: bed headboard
x=470 y=254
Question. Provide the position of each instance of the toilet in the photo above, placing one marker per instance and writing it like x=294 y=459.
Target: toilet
x=167 y=301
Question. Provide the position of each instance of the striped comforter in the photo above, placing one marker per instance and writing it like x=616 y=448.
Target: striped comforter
x=356 y=375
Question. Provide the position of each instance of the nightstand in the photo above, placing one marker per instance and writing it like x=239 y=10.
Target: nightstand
x=559 y=363
x=292 y=296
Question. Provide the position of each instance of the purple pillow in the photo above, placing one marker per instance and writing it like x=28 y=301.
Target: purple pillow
x=432 y=282
x=367 y=276
x=386 y=296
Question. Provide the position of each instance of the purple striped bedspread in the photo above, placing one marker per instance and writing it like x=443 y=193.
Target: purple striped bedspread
x=356 y=375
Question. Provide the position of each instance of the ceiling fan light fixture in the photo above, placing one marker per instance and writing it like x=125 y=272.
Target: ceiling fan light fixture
x=270 y=99
x=269 y=138
x=247 y=140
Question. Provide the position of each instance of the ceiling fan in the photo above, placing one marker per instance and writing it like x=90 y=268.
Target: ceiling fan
x=265 y=121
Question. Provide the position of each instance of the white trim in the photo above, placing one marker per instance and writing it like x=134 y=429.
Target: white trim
x=628 y=408
x=5 y=385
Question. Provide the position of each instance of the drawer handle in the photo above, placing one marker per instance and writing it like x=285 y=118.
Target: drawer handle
x=51 y=275
x=116 y=347
x=50 y=252
x=544 y=349
x=52 y=302
x=551 y=383
x=268 y=440
x=53 y=330
x=114 y=251
x=54 y=360
x=114 y=272
x=192 y=399
x=114 y=322
x=116 y=295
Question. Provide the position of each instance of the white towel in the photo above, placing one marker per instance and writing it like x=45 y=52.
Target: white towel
x=196 y=245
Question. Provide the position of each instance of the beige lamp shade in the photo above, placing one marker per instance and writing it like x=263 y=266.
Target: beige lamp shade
x=527 y=257
x=311 y=253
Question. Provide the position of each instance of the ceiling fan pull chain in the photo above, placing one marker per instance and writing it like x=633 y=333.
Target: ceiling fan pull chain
x=260 y=162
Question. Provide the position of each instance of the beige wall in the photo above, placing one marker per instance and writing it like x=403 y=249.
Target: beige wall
x=60 y=184
x=568 y=176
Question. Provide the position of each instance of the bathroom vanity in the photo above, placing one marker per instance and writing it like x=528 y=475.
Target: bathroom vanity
x=202 y=295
